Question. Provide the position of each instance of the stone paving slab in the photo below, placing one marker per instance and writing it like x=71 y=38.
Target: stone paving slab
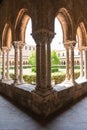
x=12 y=118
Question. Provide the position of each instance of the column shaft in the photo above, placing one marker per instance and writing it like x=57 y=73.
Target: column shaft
x=3 y=64
x=43 y=67
x=8 y=64
x=16 y=63
x=67 y=63
x=21 y=65
x=81 y=64
x=85 y=64
x=72 y=64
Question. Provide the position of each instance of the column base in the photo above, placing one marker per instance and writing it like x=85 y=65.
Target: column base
x=43 y=92
x=70 y=82
x=84 y=78
x=16 y=82
x=73 y=82
x=66 y=80
x=21 y=81
x=3 y=79
x=8 y=78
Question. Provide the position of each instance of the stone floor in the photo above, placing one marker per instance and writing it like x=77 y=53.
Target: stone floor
x=13 y=118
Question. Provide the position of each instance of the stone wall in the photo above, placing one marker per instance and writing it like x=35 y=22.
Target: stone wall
x=44 y=105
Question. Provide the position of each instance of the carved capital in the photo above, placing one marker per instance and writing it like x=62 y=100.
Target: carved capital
x=21 y=46
x=18 y=44
x=70 y=44
x=43 y=36
x=4 y=49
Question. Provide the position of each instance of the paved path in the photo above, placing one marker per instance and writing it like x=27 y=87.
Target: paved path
x=12 y=118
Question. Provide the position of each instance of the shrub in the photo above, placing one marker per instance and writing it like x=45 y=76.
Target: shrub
x=34 y=69
x=58 y=78
x=54 y=70
x=76 y=74
x=29 y=78
x=12 y=76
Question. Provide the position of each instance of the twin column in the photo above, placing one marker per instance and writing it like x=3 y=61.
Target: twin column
x=18 y=50
x=5 y=55
x=69 y=45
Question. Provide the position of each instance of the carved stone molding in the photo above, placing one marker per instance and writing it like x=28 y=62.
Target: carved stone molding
x=69 y=43
x=17 y=44
x=43 y=36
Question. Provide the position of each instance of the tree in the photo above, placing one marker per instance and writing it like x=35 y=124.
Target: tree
x=32 y=59
x=55 y=60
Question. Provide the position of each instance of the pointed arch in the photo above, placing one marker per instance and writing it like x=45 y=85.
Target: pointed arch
x=66 y=23
x=7 y=36
x=20 y=25
x=81 y=33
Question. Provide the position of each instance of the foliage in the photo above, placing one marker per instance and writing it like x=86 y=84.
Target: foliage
x=12 y=76
x=54 y=69
x=34 y=69
x=57 y=77
x=29 y=78
x=32 y=59
x=55 y=60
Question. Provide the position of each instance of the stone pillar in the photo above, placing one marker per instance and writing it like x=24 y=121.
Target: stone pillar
x=16 y=47
x=81 y=64
x=85 y=64
x=3 y=62
x=43 y=61
x=7 y=75
x=21 y=64
x=67 y=63
x=72 y=63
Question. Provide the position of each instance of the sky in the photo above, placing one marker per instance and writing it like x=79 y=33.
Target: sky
x=56 y=43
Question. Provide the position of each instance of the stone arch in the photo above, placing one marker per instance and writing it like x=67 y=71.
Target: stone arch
x=81 y=33
x=66 y=23
x=20 y=25
x=7 y=36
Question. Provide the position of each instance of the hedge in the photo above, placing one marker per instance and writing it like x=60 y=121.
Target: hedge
x=58 y=78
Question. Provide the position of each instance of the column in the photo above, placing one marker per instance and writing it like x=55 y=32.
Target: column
x=21 y=64
x=67 y=63
x=3 y=63
x=0 y=64
x=85 y=64
x=8 y=77
x=43 y=61
x=81 y=64
x=16 y=47
x=72 y=64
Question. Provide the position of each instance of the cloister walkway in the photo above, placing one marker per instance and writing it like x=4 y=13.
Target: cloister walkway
x=13 y=118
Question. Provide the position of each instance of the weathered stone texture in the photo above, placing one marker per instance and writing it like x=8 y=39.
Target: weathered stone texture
x=14 y=15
